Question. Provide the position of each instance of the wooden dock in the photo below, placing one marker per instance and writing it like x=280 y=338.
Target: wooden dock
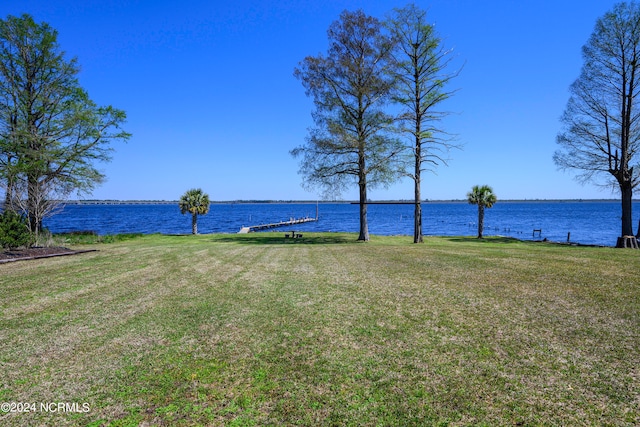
x=293 y=221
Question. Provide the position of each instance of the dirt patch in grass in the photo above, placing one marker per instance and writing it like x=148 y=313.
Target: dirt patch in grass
x=35 y=253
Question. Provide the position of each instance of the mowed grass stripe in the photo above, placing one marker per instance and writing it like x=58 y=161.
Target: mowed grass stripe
x=256 y=330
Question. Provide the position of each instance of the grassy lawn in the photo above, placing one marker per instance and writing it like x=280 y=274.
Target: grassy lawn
x=245 y=330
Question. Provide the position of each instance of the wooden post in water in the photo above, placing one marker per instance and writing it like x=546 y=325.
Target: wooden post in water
x=568 y=237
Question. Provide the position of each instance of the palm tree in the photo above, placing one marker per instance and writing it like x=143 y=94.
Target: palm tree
x=483 y=197
x=197 y=203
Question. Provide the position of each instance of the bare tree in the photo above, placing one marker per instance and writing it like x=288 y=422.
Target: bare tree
x=350 y=85
x=601 y=135
x=43 y=201
x=420 y=70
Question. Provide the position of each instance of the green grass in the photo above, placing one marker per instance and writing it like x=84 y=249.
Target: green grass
x=254 y=330
x=86 y=238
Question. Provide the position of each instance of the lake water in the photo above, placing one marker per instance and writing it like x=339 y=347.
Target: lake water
x=589 y=222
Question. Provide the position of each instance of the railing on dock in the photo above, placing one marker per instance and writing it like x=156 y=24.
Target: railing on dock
x=292 y=221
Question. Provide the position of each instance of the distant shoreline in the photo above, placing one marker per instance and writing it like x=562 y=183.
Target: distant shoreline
x=381 y=202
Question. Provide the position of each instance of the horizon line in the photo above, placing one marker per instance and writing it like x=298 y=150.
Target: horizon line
x=309 y=201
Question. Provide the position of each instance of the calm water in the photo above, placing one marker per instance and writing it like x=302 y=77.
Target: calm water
x=588 y=222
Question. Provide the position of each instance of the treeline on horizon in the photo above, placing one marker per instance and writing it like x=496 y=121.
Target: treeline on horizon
x=274 y=201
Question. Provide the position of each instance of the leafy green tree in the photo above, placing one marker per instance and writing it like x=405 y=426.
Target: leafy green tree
x=351 y=142
x=14 y=232
x=483 y=197
x=420 y=63
x=51 y=133
x=601 y=133
x=196 y=203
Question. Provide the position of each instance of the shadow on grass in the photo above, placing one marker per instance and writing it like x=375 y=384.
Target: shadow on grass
x=485 y=240
x=510 y=240
x=279 y=239
x=91 y=237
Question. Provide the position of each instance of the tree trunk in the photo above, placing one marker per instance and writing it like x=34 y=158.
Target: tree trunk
x=627 y=197
x=194 y=223
x=364 y=225
x=35 y=224
x=417 y=223
x=362 y=185
x=417 y=216
x=627 y=242
x=480 y=220
x=625 y=239
x=8 y=197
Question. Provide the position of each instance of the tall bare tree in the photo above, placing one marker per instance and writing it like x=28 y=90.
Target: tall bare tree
x=601 y=135
x=350 y=87
x=51 y=133
x=420 y=69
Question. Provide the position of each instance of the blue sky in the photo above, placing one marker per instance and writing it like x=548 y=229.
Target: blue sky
x=212 y=102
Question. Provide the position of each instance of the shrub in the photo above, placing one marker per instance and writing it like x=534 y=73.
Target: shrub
x=14 y=231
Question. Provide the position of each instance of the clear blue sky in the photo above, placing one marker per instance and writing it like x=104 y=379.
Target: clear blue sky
x=211 y=100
